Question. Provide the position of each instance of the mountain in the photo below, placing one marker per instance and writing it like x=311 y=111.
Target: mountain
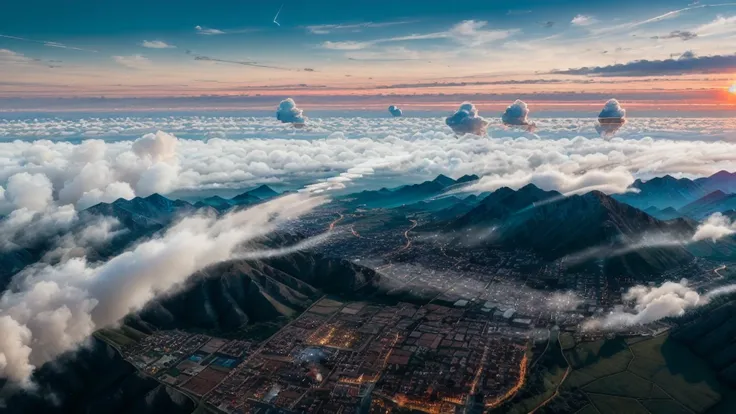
x=722 y=180
x=663 y=192
x=565 y=226
x=717 y=201
x=95 y=379
x=139 y=211
x=408 y=194
x=668 y=213
x=247 y=198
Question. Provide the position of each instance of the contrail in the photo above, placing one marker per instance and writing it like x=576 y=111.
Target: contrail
x=277 y=15
x=47 y=43
x=240 y=62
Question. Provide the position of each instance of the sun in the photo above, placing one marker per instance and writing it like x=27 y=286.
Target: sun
x=732 y=89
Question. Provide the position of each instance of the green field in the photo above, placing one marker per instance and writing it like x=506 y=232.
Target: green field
x=650 y=375
x=121 y=336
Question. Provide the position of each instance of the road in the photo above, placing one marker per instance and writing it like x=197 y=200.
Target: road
x=718 y=269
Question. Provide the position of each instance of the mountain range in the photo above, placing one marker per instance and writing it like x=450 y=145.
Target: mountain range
x=667 y=191
x=408 y=194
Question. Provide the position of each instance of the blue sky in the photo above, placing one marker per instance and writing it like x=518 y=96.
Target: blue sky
x=186 y=47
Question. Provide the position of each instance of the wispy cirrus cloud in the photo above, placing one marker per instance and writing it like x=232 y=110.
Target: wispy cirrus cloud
x=583 y=20
x=209 y=31
x=467 y=32
x=46 y=43
x=323 y=29
x=133 y=61
x=157 y=44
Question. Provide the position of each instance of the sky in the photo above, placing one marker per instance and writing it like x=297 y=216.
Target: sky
x=368 y=49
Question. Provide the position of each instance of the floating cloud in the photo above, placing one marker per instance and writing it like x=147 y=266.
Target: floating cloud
x=583 y=20
x=611 y=118
x=683 y=35
x=516 y=114
x=133 y=61
x=55 y=308
x=207 y=31
x=715 y=227
x=467 y=121
x=696 y=65
x=395 y=110
x=650 y=304
x=157 y=44
x=287 y=112
x=615 y=181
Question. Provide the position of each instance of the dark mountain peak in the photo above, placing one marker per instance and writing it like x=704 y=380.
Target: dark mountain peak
x=263 y=191
x=669 y=210
x=157 y=199
x=467 y=178
x=723 y=174
x=444 y=180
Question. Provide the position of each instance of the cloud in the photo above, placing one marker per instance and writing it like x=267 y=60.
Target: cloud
x=615 y=181
x=583 y=20
x=47 y=43
x=323 y=29
x=395 y=110
x=683 y=35
x=611 y=118
x=720 y=26
x=246 y=151
x=287 y=112
x=715 y=227
x=470 y=33
x=516 y=114
x=133 y=61
x=55 y=308
x=157 y=44
x=649 y=304
x=466 y=120
x=32 y=192
x=669 y=67
x=206 y=31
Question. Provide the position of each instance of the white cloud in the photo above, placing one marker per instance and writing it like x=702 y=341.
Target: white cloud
x=516 y=114
x=715 y=227
x=650 y=304
x=323 y=29
x=157 y=44
x=470 y=33
x=548 y=178
x=55 y=308
x=133 y=61
x=583 y=20
x=206 y=31
x=32 y=192
x=719 y=26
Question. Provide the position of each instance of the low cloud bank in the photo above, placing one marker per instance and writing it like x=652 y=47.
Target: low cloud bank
x=715 y=227
x=55 y=308
x=649 y=304
x=467 y=121
x=288 y=113
x=610 y=182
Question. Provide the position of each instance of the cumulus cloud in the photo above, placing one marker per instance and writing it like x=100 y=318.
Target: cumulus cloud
x=516 y=115
x=614 y=181
x=715 y=227
x=156 y=44
x=395 y=110
x=611 y=118
x=649 y=304
x=467 y=121
x=287 y=112
x=55 y=308
x=32 y=192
